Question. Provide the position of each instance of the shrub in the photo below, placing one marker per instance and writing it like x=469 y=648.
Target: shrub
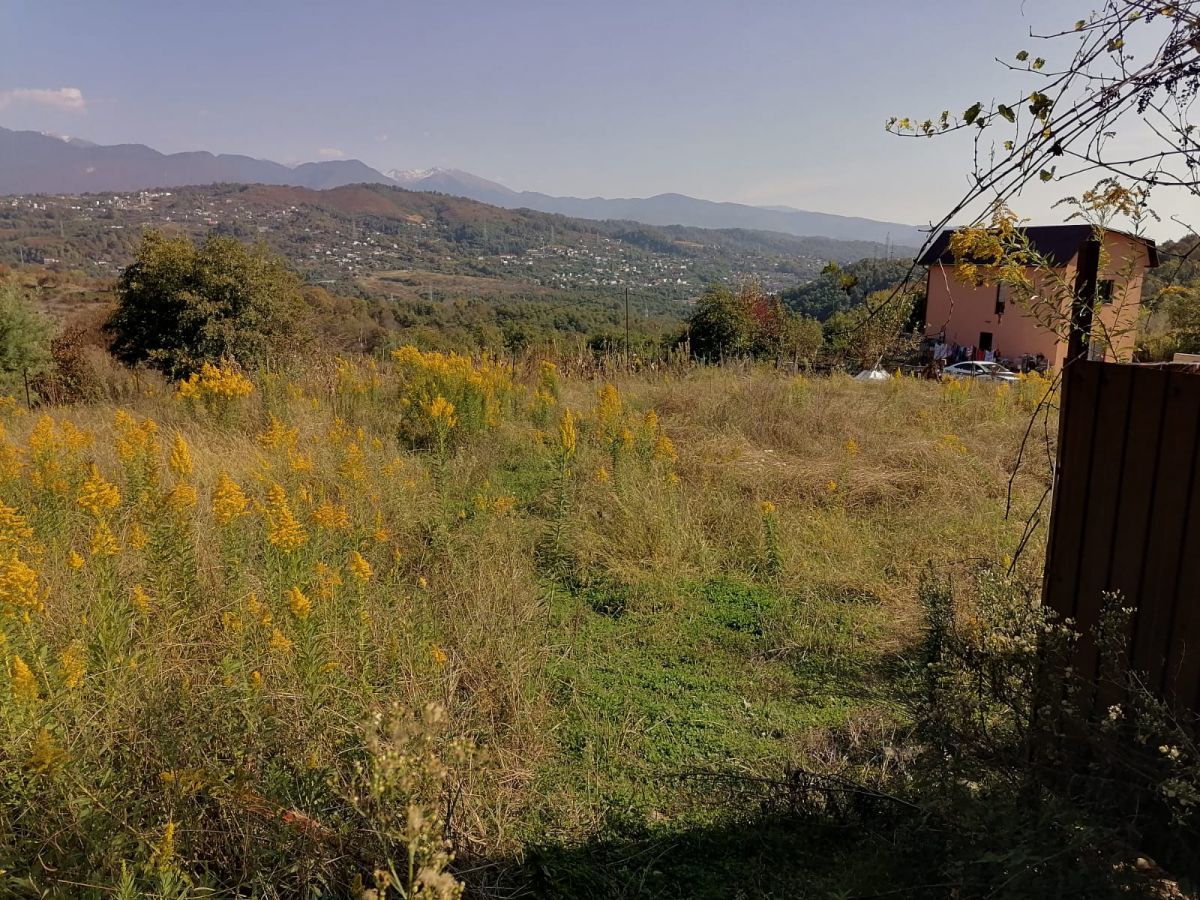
x=180 y=306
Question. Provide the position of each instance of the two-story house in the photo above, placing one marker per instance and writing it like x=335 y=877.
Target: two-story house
x=994 y=318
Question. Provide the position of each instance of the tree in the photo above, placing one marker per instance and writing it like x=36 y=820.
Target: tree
x=24 y=337
x=839 y=288
x=752 y=323
x=801 y=340
x=876 y=328
x=181 y=305
x=721 y=325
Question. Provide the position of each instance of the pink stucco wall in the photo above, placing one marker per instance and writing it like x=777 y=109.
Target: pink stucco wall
x=1038 y=325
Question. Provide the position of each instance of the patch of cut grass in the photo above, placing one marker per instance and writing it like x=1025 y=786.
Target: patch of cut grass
x=710 y=676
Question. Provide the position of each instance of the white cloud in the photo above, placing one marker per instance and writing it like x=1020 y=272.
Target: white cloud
x=67 y=98
x=331 y=153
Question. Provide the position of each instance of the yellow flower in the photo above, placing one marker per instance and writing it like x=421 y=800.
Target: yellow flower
x=256 y=679
x=602 y=476
x=664 y=449
x=136 y=441
x=10 y=458
x=180 y=459
x=503 y=504
x=72 y=664
x=164 y=850
x=422 y=582
x=75 y=561
x=283 y=529
x=137 y=538
x=255 y=607
x=768 y=508
x=352 y=468
x=608 y=407
x=832 y=486
x=851 y=447
x=331 y=516
x=299 y=462
x=181 y=498
x=215 y=384
x=104 y=542
x=46 y=754
x=140 y=599
x=42 y=438
x=24 y=682
x=97 y=495
x=568 y=436
x=359 y=567
x=441 y=412
x=277 y=435
x=228 y=500
x=20 y=592
x=279 y=642
x=300 y=605
x=14 y=528
x=381 y=535
x=327 y=580
x=438 y=654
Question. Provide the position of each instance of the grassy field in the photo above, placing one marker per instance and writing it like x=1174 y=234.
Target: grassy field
x=266 y=638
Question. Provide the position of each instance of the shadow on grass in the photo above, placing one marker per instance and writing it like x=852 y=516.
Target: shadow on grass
x=995 y=844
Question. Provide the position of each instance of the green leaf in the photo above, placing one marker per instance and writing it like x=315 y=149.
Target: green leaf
x=1007 y=112
x=1038 y=63
x=972 y=113
x=1022 y=56
x=1046 y=174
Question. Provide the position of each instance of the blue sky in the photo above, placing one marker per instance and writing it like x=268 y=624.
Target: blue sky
x=756 y=101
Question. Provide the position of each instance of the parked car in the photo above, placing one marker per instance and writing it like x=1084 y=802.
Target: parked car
x=986 y=371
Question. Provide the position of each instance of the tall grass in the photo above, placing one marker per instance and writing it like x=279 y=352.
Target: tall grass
x=291 y=634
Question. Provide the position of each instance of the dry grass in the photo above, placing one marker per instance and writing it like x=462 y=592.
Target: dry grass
x=503 y=566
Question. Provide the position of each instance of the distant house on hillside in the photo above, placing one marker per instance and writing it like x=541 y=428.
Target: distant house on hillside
x=970 y=320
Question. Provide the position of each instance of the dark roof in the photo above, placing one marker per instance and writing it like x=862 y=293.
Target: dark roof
x=1057 y=243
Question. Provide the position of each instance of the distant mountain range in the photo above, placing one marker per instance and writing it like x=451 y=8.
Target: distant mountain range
x=664 y=209
x=36 y=163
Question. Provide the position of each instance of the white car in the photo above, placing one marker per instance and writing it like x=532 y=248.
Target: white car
x=985 y=371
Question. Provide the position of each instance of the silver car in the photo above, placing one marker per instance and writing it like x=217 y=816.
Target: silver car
x=985 y=371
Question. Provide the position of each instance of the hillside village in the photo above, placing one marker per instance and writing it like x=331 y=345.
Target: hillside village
x=332 y=245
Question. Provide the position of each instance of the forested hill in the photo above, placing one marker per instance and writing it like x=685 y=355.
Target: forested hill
x=361 y=235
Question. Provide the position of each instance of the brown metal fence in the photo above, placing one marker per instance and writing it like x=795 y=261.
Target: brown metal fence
x=1126 y=518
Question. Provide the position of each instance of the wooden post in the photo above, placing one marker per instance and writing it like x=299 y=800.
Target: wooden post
x=1083 y=303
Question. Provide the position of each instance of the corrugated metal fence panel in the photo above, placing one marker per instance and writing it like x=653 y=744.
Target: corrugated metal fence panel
x=1127 y=518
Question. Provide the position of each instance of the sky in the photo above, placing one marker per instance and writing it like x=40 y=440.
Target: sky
x=757 y=101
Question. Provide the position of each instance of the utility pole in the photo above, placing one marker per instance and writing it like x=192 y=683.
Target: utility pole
x=628 y=358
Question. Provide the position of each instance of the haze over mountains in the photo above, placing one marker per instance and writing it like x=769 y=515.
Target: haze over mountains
x=36 y=163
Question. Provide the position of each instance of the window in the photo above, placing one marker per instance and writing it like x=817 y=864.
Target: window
x=985 y=340
x=1104 y=291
